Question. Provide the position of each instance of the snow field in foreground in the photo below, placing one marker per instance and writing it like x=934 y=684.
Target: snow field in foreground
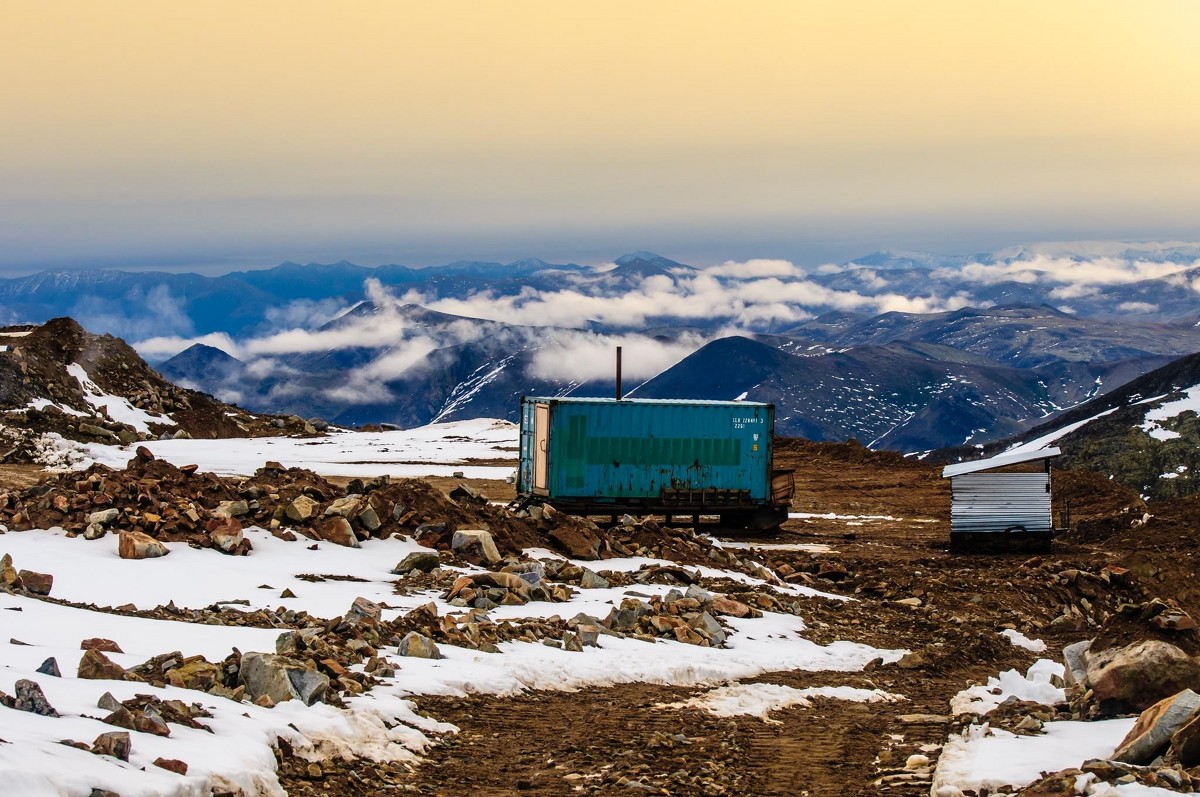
x=380 y=725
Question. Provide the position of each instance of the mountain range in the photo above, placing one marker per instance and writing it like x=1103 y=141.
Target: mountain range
x=900 y=350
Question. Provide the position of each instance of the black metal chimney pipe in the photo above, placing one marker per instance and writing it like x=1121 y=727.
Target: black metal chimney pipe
x=618 y=373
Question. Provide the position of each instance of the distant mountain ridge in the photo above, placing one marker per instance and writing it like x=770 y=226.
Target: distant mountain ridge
x=140 y=305
x=906 y=350
x=1145 y=433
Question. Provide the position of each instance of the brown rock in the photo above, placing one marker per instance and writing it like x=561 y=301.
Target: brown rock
x=577 y=541
x=724 y=605
x=1135 y=677
x=136 y=545
x=37 y=583
x=338 y=531
x=226 y=534
x=1186 y=743
x=95 y=665
x=100 y=644
x=113 y=743
x=301 y=509
x=1058 y=784
x=914 y=660
x=172 y=765
x=1171 y=620
x=1154 y=728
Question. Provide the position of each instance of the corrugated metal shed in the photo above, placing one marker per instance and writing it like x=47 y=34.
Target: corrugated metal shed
x=989 y=503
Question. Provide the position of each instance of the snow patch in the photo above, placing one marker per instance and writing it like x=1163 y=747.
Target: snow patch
x=115 y=407
x=759 y=700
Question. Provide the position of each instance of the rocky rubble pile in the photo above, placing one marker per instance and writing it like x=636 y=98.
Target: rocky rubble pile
x=158 y=500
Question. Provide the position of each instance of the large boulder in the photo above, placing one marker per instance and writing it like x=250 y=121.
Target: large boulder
x=419 y=646
x=36 y=583
x=577 y=541
x=301 y=509
x=1134 y=677
x=281 y=678
x=226 y=534
x=346 y=507
x=96 y=666
x=476 y=543
x=29 y=697
x=1152 y=732
x=337 y=530
x=136 y=545
x=424 y=561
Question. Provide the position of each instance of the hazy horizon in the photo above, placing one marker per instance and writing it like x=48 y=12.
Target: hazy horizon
x=227 y=136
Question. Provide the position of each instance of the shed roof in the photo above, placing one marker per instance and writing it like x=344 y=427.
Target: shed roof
x=999 y=461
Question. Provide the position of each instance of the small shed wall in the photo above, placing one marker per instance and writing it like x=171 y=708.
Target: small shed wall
x=996 y=502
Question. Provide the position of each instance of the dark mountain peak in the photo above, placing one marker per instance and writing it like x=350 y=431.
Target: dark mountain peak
x=202 y=353
x=643 y=257
x=528 y=264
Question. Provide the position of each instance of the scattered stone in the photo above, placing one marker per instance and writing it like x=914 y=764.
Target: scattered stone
x=1075 y=663
x=28 y=696
x=301 y=509
x=96 y=666
x=100 y=644
x=36 y=583
x=113 y=743
x=50 y=667
x=345 y=507
x=465 y=493
x=423 y=561
x=590 y=580
x=477 y=543
x=576 y=541
x=226 y=534
x=103 y=517
x=419 y=646
x=136 y=545
x=281 y=678
x=198 y=674
x=338 y=531
x=363 y=610
x=172 y=765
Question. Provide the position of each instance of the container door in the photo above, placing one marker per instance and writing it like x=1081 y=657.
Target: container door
x=541 y=447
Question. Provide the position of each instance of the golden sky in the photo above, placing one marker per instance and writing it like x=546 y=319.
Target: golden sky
x=246 y=133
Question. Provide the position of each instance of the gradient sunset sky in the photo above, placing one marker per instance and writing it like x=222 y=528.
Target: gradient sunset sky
x=220 y=135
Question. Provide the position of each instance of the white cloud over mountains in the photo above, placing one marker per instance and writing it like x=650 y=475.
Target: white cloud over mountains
x=699 y=305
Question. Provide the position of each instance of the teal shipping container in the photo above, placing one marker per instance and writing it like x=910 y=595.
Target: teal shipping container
x=603 y=456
